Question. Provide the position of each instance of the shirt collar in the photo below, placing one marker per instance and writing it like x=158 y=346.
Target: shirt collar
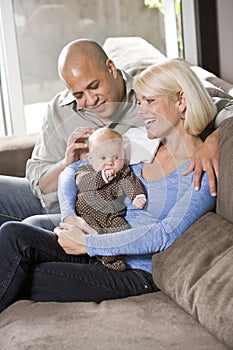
x=66 y=98
x=128 y=79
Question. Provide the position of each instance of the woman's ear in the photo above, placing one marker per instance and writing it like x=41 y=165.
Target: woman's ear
x=182 y=102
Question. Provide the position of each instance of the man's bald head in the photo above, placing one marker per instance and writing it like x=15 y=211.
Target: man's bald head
x=77 y=50
x=91 y=77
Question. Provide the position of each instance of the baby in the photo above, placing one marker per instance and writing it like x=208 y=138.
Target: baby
x=103 y=184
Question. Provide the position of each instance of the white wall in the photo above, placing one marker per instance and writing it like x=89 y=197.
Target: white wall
x=225 y=28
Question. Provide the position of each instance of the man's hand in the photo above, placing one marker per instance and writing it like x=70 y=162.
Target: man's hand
x=77 y=147
x=206 y=159
x=80 y=223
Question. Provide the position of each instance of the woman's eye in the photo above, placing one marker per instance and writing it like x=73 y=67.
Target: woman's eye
x=150 y=100
x=138 y=102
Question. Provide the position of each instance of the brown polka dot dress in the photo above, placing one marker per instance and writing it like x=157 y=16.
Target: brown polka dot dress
x=101 y=204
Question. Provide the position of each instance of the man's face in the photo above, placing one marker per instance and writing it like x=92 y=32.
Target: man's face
x=95 y=87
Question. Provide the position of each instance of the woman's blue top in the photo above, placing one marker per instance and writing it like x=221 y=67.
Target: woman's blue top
x=172 y=206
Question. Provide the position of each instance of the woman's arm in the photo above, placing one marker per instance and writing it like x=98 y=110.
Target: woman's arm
x=67 y=190
x=159 y=234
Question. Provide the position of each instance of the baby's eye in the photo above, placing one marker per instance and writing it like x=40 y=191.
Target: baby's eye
x=103 y=158
x=115 y=157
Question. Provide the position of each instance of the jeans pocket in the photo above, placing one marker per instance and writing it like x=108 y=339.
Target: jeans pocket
x=146 y=280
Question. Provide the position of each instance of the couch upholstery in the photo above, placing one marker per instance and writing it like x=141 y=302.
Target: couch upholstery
x=14 y=152
x=192 y=310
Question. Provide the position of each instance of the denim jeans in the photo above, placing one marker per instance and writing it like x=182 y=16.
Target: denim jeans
x=17 y=202
x=33 y=266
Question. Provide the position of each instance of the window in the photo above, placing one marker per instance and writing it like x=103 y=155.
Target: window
x=40 y=28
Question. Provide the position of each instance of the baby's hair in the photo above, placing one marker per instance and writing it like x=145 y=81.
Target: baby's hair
x=102 y=135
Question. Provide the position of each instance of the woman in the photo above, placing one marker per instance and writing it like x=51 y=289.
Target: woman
x=37 y=264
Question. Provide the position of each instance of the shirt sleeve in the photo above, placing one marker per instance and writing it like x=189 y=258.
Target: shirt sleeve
x=157 y=235
x=130 y=184
x=67 y=190
x=48 y=152
x=225 y=110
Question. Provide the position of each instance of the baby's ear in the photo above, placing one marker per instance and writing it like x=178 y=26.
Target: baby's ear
x=88 y=156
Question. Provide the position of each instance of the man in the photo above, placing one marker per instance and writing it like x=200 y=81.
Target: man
x=97 y=95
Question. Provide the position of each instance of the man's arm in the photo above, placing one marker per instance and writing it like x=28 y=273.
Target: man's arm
x=206 y=157
x=76 y=150
x=51 y=155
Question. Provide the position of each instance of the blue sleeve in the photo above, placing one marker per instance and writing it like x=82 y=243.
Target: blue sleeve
x=67 y=190
x=158 y=234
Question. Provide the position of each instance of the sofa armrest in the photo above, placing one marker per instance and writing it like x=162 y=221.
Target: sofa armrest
x=14 y=153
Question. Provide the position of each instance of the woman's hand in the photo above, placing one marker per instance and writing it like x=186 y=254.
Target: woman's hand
x=80 y=223
x=71 y=239
x=206 y=159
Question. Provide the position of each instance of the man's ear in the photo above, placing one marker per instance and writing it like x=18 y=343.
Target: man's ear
x=111 y=68
x=182 y=101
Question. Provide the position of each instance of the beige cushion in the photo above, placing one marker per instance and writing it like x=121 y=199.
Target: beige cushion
x=14 y=153
x=132 y=54
x=225 y=187
x=197 y=273
x=151 y=321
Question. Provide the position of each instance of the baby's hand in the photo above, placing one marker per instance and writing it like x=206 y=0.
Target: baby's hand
x=110 y=174
x=139 y=201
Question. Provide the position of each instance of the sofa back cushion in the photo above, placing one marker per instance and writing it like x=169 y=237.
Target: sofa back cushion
x=197 y=270
x=14 y=153
x=197 y=273
x=225 y=186
x=132 y=54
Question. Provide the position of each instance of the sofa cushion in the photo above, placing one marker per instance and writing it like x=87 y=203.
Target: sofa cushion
x=132 y=54
x=14 y=153
x=225 y=186
x=197 y=272
x=216 y=86
x=151 y=321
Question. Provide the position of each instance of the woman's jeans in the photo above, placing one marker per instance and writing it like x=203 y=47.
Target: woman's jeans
x=33 y=266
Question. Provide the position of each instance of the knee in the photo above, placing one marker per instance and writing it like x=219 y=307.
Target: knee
x=47 y=222
x=9 y=232
x=34 y=220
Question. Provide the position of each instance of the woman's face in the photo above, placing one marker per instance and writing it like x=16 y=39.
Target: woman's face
x=161 y=115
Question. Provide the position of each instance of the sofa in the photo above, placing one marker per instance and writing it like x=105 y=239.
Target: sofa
x=193 y=308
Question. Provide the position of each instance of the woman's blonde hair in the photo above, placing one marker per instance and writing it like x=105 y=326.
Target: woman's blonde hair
x=171 y=77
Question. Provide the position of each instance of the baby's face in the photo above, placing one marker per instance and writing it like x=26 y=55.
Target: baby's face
x=108 y=155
